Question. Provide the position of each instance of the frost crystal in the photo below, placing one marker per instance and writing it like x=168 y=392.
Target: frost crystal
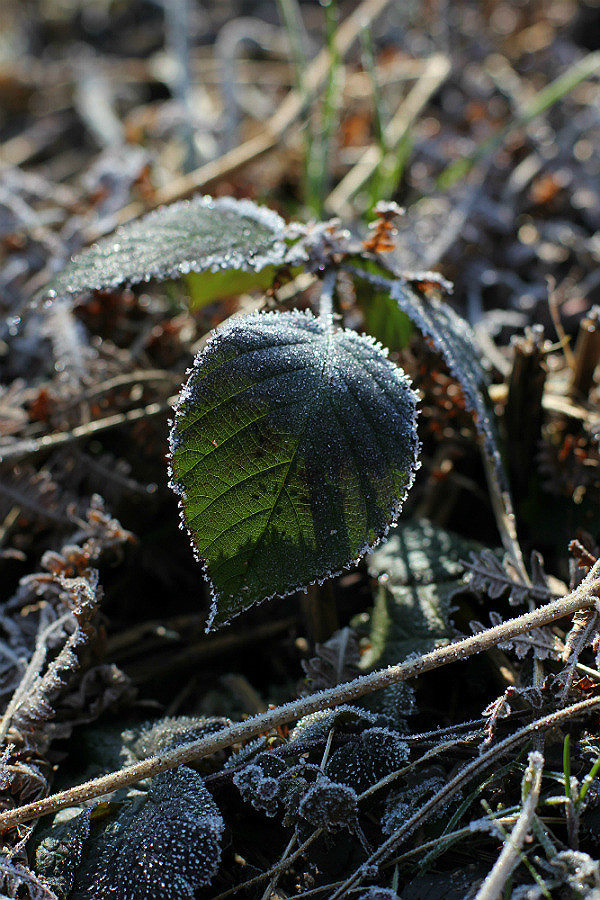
x=259 y=789
x=166 y=850
x=378 y=752
x=199 y=235
x=378 y=893
x=329 y=805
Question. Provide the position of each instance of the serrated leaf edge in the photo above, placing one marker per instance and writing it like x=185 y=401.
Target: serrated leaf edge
x=216 y=335
x=237 y=260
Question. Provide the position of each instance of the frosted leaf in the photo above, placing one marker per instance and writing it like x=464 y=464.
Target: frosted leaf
x=401 y=805
x=377 y=893
x=257 y=788
x=418 y=571
x=540 y=642
x=394 y=702
x=292 y=450
x=165 y=850
x=454 y=339
x=58 y=855
x=363 y=763
x=167 y=733
x=329 y=805
x=337 y=660
x=259 y=783
x=246 y=753
x=493 y=578
x=345 y=718
x=198 y=235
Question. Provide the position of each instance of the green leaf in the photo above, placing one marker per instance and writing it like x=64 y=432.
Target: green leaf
x=207 y=287
x=418 y=571
x=384 y=319
x=199 y=235
x=292 y=450
x=454 y=339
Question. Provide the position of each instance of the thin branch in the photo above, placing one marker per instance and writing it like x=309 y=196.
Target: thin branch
x=31 y=446
x=580 y=598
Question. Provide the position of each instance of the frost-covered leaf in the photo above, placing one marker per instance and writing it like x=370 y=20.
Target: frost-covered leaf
x=361 y=764
x=329 y=805
x=199 y=235
x=259 y=782
x=160 y=848
x=345 y=718
x=58 y=855
x=292 y=450
x=418 y=571
x=378 y=893
x=159 y=839
x=157 y=737
x=541 y=642
x=337 y=660
x=402 y=804
x=454 y=339
x=493 y=578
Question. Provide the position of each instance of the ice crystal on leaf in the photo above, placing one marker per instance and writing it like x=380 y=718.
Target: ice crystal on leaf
x=292 y=450
x=199 y=235
x=378 y=893
x=344 y=717
x=164 y=850
x=58 y=855
x=327 y=804
x=169 y=732
x=361 y=764
x=259 y=782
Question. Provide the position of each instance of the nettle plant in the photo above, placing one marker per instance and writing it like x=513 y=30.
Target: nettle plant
x=294 y=440
x=292 y=448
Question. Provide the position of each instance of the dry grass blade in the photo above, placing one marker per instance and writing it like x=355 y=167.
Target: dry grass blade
x=435 y=71
x=289 y=111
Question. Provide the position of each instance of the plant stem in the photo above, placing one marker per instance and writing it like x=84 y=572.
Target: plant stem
x=580 y=598
x=510 y=856
x=326 y=298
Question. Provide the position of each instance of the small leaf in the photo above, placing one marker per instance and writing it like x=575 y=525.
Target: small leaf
x=362 y=763
x=384 y=319
x=293 y=448
x=207 y=287
x=454 y=339
x=199 y=235
x=58 y=855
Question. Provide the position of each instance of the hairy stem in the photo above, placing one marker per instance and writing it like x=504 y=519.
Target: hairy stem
x=510 y=856
x=580 y=598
